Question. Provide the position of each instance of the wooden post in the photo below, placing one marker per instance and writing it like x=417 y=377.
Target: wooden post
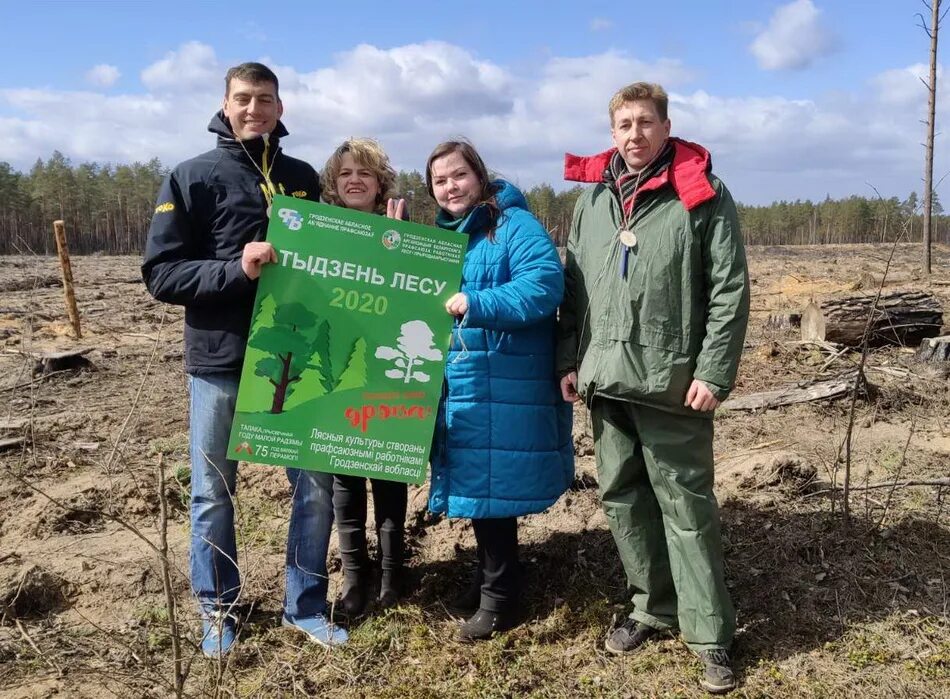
x=59 y=231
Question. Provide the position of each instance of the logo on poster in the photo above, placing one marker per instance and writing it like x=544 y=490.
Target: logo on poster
x=292 y=219
x=391 y=239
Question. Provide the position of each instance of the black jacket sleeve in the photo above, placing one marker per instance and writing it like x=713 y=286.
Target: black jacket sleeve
x=173 y=268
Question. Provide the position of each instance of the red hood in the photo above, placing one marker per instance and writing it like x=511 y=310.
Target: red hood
x=687 y=174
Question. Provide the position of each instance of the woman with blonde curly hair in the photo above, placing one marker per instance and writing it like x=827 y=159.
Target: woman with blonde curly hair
x=358 y=176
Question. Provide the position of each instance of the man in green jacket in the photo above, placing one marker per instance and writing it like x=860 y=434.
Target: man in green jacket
x=651 y=328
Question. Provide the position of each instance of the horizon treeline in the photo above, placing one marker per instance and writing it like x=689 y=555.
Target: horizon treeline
x=107 y=209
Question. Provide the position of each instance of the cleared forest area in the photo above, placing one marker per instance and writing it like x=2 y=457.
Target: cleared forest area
x=827 y=606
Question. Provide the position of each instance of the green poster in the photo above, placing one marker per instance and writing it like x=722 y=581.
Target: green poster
x=346 y=353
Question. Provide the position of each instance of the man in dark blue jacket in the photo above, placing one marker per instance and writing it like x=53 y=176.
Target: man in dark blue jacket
x=205 y=250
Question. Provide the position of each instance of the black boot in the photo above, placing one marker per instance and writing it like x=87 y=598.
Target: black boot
x=466 y=603
x=353 y=597
x=391 y=548
x=349 y=500
x=390 y=588
x=389 y=505
x=484 y=624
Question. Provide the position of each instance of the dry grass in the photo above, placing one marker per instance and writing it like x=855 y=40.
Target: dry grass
x=824 y=611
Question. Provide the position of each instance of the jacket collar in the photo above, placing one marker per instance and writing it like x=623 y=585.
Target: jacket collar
x=221 y=127
x=687 y=174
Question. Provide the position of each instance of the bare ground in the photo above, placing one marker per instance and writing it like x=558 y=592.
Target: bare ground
x=826 y=608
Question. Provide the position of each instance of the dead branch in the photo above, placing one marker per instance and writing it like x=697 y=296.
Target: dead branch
x=35 y=380
x=936 y=482
x=170 y=602
x=900 y=470
x=40 y=654
x=826 y=389
x=860 y=378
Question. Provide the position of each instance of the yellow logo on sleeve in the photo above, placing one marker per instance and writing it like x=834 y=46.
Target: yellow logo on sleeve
x=300 y=194
x=164 y=208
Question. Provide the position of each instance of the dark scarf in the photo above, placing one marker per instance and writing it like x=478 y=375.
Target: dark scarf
x=626 y=183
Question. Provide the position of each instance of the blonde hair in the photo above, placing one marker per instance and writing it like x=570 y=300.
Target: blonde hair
x=641 y=91
x=367 y=153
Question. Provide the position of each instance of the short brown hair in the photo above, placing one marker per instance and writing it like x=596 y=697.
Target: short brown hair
x=641 y=91
x=365 y=152
x=252 y=73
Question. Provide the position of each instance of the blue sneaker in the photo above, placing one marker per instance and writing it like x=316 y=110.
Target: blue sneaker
x=318 y=629
x=218 y=633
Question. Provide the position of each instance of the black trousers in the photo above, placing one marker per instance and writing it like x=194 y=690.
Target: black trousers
x=499 y=568
x=389 y=507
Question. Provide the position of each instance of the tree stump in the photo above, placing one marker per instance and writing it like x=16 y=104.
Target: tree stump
x=935 y=349
x=70 y=360
x=783 y=321
x=899 y=318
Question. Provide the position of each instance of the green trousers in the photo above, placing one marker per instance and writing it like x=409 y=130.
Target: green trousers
x=656 y=484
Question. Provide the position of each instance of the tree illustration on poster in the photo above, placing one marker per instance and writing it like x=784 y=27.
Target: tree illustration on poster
x=413 y=348
x=348 y=343
x=292 y=346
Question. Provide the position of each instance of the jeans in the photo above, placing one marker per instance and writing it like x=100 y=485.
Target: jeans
x=215 y=577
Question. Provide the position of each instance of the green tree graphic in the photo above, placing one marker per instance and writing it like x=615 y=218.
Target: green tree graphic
x=297 y=341
x=290 y=349
x=354 y=376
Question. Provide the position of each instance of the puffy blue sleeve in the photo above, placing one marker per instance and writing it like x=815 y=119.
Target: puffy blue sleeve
x=537 y=280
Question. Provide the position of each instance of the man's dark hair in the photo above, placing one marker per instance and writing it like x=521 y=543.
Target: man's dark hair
x=252 y=73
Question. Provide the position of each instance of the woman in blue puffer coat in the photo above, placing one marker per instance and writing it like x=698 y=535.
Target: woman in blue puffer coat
x=503 y=444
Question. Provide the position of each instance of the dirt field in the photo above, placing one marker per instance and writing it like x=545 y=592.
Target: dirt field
x=825 y=609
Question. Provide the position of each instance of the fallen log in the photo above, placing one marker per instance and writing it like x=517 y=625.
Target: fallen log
x=826 y=389
x=29 y=283
x=898 y=318
x=935 y=349
x=10 y=442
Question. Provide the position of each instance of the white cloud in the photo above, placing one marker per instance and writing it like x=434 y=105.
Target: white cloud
x=793 y=39
x=774 y=148
x=103 y=75
x=903 y=86
x=193 y=66
x=600 y=24
x=411 y=97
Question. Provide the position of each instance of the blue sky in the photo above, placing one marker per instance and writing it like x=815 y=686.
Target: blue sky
x=795 y=99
